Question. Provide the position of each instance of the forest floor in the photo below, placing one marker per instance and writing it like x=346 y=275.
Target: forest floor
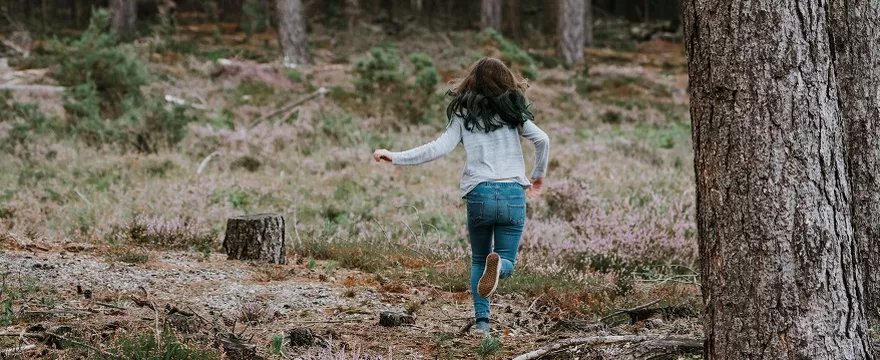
x=119 y=252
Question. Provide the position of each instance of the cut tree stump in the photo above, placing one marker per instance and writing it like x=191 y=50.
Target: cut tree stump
x=395 y=319
x=256 y=237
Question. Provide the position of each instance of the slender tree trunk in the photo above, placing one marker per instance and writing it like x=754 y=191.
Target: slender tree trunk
x=292 y=32
x=352 y=11
x=124 y=19
x=571 y=31
x=856 y=36
x=588 y=22
x=490 y=14
x=779 y=274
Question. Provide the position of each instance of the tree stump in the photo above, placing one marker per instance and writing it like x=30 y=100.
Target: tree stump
x=256 y=237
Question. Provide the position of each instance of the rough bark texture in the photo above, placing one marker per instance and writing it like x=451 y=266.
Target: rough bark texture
x=856 y=52
x=256 y=237
x=588 y=22
x=292 y=32
x=124 y=19
x=571 y=31
x=490 y=14
x=779 y=277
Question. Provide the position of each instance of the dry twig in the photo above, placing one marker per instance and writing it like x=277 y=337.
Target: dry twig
x=603 y=340
x=625 y=311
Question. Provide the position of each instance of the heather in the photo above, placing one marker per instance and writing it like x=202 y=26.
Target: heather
x=112 y=164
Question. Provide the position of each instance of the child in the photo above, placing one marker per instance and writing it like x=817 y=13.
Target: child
x=488 y=114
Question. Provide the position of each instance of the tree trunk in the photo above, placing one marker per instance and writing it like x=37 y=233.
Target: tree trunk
x=352 y=11
x=588 y=22
x=490 y=14
x=571 y=31
x=779 y=277
x=124 y=19
x=856 y=36
x=256 y=237
x=292 y=32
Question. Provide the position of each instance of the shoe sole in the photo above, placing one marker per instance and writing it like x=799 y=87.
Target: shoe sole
x=489 y=281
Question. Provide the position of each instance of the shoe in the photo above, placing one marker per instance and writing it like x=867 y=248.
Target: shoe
x=481 y=328
x=489 y=281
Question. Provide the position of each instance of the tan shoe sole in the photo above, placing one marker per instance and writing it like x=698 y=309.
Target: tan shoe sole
x=489 y=281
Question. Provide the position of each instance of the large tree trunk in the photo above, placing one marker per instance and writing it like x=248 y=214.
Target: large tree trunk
x=292 y=32
x=124 y=19
x=856 y=35
x=779 y=274
x=490 y=14
x=571 y=31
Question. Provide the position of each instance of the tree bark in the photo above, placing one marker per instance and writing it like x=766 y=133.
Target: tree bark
x=352 y=11
x=571 y=31
x=588 y=22
x=490 y=14
x=778 y=258
x=856 y=53
x=292 y=32
x=124 y=19
x=256 y=237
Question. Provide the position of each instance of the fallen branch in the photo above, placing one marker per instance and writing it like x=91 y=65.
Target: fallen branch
x=205 y=162
x=103 y=352
x=110 y=306
x=287 y=107
x=604 y=340
x=16 y=350
x=626 y=311
x=37 y=88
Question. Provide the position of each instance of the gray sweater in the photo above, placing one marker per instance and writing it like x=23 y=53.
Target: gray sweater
x=491 y=156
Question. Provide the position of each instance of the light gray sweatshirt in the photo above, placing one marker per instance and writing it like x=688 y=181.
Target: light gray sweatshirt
x=491 y=156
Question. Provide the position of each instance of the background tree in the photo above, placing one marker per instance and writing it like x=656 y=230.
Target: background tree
x=292 y=32
x=571 y=31
x=779 y=277
x=490 y=14
x=856 y=30
x=588 y=22
x=124 y=19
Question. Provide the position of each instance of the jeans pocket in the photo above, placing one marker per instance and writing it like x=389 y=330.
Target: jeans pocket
x=516 y=213
x=474 y=211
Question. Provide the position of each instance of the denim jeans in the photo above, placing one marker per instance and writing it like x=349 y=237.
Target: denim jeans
x=494 y=210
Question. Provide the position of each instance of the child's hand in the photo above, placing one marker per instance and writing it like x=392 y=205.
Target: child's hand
x=536 y=188
x=382 y=154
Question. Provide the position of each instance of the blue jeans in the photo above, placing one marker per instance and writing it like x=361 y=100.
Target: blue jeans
x=494 y=209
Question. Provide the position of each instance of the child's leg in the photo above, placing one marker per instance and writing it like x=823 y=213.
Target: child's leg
x=481 y=244
x=508 y=233
x=480 y=233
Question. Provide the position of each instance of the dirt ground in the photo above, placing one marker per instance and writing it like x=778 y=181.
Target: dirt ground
x=93 y=293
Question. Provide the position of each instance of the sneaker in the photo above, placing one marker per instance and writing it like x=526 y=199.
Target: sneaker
x=481 y=328
x=489 y=281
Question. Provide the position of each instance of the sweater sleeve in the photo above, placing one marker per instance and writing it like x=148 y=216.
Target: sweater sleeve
x=542 y=148
x=432 y=150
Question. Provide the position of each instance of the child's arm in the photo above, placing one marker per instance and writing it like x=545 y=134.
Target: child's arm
x=428 y=152
x=542 y=148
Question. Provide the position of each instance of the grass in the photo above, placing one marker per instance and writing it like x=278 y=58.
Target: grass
x=146 y=346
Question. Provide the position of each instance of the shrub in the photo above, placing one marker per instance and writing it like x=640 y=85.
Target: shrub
x=511 y=54
x=104 y=101
x=381 y=77
x=115 y=72
x=25 y=120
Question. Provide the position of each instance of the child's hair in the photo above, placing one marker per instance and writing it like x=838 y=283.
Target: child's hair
x=489 y=89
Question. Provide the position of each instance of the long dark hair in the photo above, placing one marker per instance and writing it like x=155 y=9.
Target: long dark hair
x=489 y=89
